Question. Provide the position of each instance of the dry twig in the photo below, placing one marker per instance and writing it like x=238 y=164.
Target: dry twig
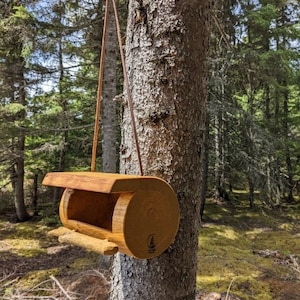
x=228 y=290
x=61 y=287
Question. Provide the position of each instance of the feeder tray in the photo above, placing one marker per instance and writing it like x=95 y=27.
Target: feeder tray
x=106 y=213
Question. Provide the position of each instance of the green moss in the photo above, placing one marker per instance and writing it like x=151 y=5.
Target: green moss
x=23 y=247
x=84 y=262
x=35 y=278
x=246 y=287
x=282 y=241
x=24 y=239
x=228 y=250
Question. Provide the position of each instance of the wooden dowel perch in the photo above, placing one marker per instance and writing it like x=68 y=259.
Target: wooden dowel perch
x=72 y=237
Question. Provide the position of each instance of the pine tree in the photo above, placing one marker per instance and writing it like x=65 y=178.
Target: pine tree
x=16 y=27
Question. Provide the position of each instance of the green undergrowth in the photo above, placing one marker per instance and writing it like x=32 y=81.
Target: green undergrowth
x=250 y=252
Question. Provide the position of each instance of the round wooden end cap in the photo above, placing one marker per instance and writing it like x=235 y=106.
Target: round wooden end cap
x=150 y=220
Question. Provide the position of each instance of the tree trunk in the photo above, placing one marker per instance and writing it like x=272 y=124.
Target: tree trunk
x=166 y=47
x=204 y=171
x=218 y=102
x=250 y=145
x=21 y=211
x=35 y=194
x=251 y=188
x=285 y=125
x=57 y=192
x=18 y=177
x=109 y=130
x=219 y=148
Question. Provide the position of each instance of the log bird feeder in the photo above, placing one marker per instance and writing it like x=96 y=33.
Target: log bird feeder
x=106 y=213
x=134 y=214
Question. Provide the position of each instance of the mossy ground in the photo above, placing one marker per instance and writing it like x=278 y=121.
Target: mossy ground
x=254 y=253
x=31 y=261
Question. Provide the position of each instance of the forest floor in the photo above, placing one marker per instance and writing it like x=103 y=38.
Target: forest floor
x=253 y=254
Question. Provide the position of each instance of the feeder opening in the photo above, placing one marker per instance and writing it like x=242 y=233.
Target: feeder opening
x=92 y=208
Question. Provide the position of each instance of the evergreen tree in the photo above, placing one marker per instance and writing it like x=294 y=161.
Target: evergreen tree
x=252 y=138
x=16 y=27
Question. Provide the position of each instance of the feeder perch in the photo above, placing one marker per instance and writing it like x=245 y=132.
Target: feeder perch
x=106 y=213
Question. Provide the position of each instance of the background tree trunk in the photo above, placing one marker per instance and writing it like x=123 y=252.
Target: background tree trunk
x=204 y=171
x=18 y=179
x=109 y=127
x=63 y=102
x=166 y=47
x=286 y=131
x=19 y=172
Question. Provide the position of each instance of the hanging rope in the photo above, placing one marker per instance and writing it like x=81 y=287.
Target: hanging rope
x=126 y=85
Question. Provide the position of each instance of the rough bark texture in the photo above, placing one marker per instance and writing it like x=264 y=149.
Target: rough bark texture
x=63 y=102
x=18 y=178
x=21 y=211
x=204 y=165
x=109 y=131
x=166 y=49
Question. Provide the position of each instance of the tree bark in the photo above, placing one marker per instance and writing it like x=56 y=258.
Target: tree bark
x=109 y=129
x=204 y=171
x=63 y=102
x=35 y=194
x=18 y=177
x=166 y=51
x=288 y=161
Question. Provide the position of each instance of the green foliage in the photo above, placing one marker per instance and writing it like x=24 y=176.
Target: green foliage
x=20 y=12
x=260 y=101
x=260 y=20
x=11 y=109
x=16 y=30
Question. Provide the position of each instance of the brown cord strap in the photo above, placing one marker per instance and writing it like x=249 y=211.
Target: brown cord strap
x=126 y=84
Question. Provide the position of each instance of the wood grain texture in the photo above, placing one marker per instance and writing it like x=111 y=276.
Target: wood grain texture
x=75 y=238
x=94 y=181
x=138 y=213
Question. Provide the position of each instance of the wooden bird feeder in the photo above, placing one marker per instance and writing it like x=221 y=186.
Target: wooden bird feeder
x=106 y=213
